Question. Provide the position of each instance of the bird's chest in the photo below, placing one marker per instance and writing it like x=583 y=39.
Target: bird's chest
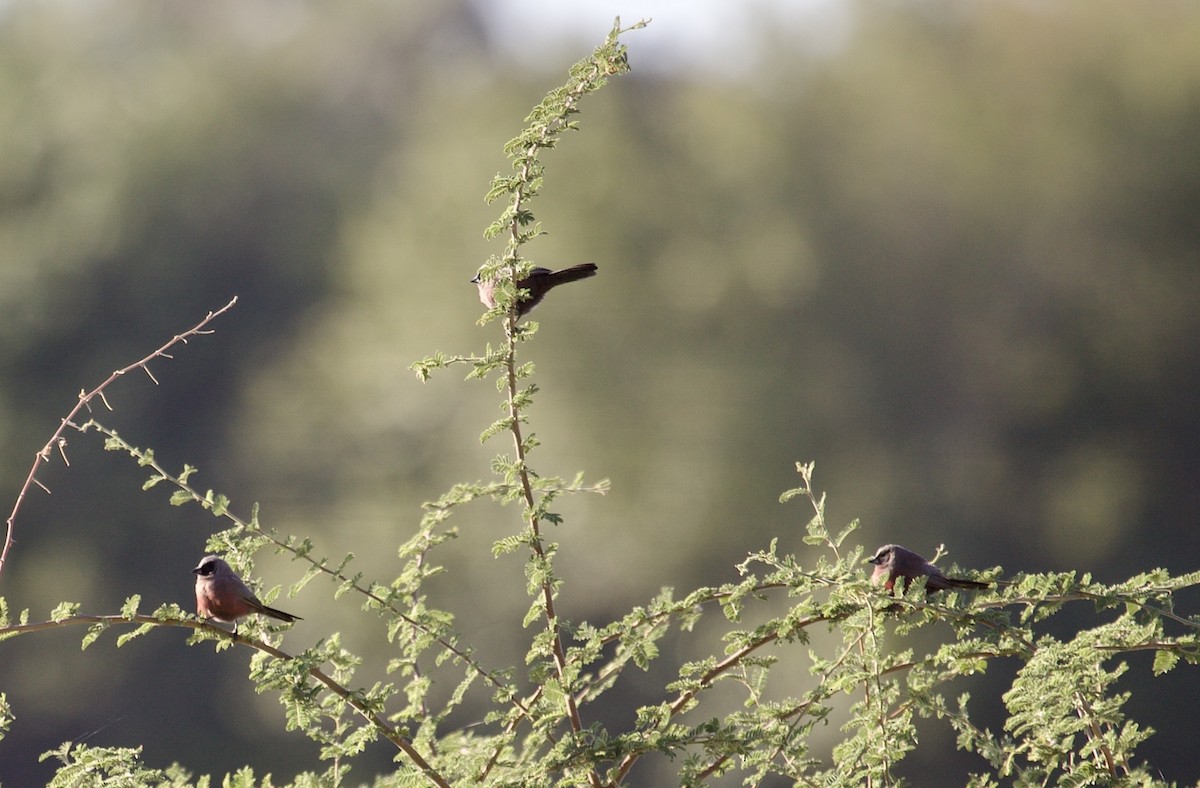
x=213 y=604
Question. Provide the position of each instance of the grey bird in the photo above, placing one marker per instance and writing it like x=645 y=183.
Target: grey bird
x=893 y=561
x=222 y=596
x=539 y=282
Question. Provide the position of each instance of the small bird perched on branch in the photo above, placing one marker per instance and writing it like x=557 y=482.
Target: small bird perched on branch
x=539 y=282
x=893 y=561
x=222 y=596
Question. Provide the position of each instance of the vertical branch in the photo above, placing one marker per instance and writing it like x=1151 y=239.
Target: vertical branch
x=874 y=680
x=534 y=523
x=550 y=120
x=514 y=415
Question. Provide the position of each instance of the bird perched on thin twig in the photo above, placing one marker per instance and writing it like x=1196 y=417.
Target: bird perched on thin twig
x=539 y=282
x=893 y=561
x=222 y=596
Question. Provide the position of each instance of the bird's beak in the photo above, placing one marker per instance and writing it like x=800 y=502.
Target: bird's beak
x=475 y=279
x=872 y=560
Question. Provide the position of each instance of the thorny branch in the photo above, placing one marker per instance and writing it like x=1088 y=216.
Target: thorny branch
x=388 y=732
x=59 y=443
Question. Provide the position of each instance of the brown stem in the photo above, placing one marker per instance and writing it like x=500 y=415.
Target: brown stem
x=388 y=732
x=58 y=442
x=686 y=696
x=514 y=415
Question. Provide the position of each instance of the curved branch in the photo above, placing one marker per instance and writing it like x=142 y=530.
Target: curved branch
x=147 y=460
x=85 y=399
x=733 y=660
x=388 y=732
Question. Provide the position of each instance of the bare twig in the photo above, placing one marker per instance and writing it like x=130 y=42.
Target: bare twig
x=85 y=399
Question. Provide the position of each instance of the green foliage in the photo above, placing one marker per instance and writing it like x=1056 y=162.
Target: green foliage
x=881 y=665
x=115 y=766
x=6 y=715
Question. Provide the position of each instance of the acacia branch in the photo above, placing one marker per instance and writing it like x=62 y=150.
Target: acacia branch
x=388 y=732
x=57 y=441
x=733 y=660
x=814 y=695
x=148 y=460
x=520 y=194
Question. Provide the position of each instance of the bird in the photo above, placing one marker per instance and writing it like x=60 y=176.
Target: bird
x=539 y=282
x=892 y=561
x=222 y=596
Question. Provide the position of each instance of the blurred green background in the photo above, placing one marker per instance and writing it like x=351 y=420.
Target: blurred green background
x=949 y=251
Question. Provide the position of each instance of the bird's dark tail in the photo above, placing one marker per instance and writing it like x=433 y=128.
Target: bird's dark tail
x=958 y=582
x=279 y=614
x=575 y=272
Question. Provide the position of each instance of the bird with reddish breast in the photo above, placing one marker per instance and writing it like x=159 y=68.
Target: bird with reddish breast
x=222 y=596
x=893 y=561
x=539 y=282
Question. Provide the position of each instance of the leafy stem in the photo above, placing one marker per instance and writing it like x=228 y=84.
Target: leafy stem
x=547 y=122
x=172 y=617
x=58 y=443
